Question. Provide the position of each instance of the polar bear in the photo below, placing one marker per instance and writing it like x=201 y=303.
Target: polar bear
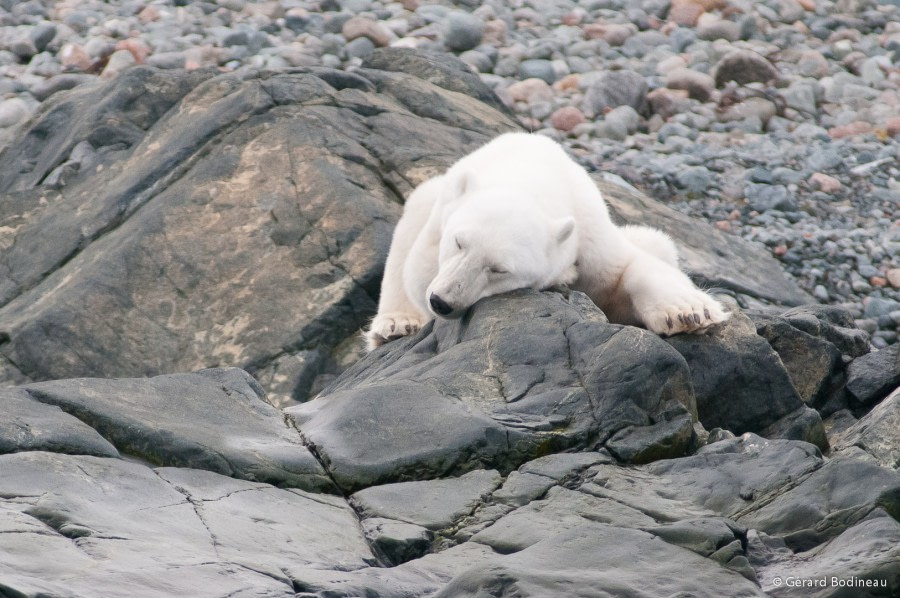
x=519 y=213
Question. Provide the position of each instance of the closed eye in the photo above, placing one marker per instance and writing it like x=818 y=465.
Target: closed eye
x=458 y=244
x=497 y=270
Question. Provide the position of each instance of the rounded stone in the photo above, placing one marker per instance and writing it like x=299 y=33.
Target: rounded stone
x=12 y=112
x=567 y=118
x=537 y=69
x=742 y=67
x=462 y=31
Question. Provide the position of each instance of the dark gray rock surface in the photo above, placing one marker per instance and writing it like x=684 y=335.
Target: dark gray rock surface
x=214 y=419
x=578 y=383
x=159 y=223
x=168 y=221
x=871 y=377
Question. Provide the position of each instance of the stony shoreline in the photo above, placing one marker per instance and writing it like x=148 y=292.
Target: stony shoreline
x=777 y=121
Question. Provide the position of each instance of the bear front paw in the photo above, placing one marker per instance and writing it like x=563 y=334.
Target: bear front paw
x=388 y=327
x=689 y=312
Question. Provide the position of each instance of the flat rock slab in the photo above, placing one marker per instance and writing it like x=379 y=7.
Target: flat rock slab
x=433 y=504
x=88 y=526
x=213 y=419
x=29 y=425
x=521 y=375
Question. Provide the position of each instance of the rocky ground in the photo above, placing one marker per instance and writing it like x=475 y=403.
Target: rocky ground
x=175 y=220
x=777 y=121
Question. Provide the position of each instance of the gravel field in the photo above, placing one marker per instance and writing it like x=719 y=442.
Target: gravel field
x=778 y=121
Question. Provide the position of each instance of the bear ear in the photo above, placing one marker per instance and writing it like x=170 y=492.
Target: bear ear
x=461 y=184
x=564 y=228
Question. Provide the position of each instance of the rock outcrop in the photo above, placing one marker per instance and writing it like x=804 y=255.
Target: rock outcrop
x=531 y=448
x=168 y=221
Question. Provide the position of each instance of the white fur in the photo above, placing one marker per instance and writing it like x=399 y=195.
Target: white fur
x=519 y=213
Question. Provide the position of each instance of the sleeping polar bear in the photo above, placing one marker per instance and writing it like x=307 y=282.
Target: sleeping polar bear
x=519 y=213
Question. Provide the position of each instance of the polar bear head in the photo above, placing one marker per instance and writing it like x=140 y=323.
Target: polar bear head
x=492 y=242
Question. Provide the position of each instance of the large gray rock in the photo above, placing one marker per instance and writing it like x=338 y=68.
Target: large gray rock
x=168 y=255
x=742 y=386
x=521 y=375
x=216 y=420
x=168 y=221
x=876 y=435
x=871 y=377
x=88 y=526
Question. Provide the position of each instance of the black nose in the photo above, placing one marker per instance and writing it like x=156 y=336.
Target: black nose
x=440 y=306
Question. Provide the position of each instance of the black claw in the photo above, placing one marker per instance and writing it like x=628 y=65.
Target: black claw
x=681 y=318
x=669 y=322
x=393 y=326
x=696 y=318
x=706 y=313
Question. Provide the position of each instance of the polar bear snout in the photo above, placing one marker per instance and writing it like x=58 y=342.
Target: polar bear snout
x=439 y=306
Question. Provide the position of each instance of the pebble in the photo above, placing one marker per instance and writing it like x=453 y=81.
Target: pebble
x=742 y=67
x=12 y=112
x=825 y=183
x=537 y=69
x=699 y=86
x=776 y=121
x=567 y=118
x=462 y=31
x=615 y=88
x=356 y=27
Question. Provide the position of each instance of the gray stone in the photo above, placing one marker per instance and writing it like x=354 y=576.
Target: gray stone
x=694 y=179
x=29 y=425
x=421 y=378
x=762 y=197
x=866 y=551
x=738 y=364
x=396 y=541
x=721 y=29
x=871 y=377
x=128 y=529
x=616 y=88
x=361 y=47
x=824 y=159
x=625 y=116
x=462 y=31
x=41 y=35
x=814 y=364
x=433 y=504
x=877 y=433
x=537 y=68
x=149 y=299
x=12 y=112
x=59 y=83
x=743 y=66
x=641 y=562
x=243 y=436
x=801 y=96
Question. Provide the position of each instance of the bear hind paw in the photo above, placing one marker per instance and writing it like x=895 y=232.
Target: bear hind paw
x=693 y=316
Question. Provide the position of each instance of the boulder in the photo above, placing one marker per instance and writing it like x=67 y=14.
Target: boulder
x=227 y=220
x=742 y=386
x=74 y=525
x=521 y=375
x=158 y=223
x=242 y=435
x=875 y=436
x=168 y=220
x=871 y=377
x=734 y=512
